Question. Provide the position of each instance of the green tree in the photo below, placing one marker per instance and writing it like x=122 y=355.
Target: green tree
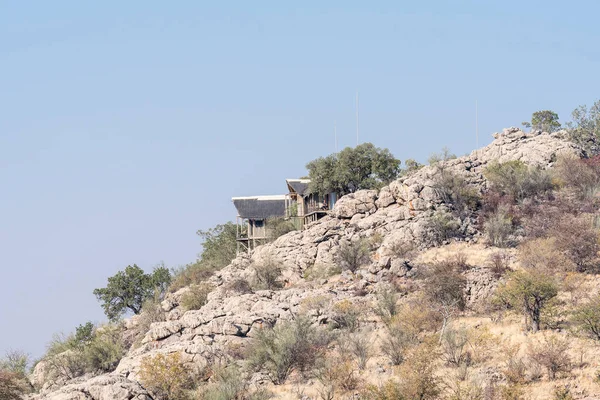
x=219 y=245
x=129 y=289
x=587 y=317
x=352 y=169
x=585 y=127
x=545 y=120
x=528 y=291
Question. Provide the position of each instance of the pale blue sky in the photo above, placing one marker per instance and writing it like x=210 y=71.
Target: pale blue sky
x=127 y=126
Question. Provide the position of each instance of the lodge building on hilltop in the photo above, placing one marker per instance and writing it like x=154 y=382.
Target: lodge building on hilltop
x=299 y=206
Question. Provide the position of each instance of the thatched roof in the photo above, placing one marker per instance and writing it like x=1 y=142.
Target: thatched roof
x=299 y=186
x=260 y=207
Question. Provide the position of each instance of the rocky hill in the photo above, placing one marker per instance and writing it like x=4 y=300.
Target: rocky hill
x=403 y=225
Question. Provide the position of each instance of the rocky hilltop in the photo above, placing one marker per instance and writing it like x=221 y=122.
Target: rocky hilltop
x=396 y=221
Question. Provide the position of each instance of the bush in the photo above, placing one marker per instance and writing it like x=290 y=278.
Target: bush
x=105 y=350
x=353 y=255
x=90 y=350
x=515 y=369
x=267 y=274
x=11 y=386
x=387 y=303
x=151 y=312
x=585 y=128
x=219 y=247
x=544 y=255
x=499 y=263
x=321 y=271
x=529 y=292
x=442 y=226
x=228 y=384
x=552 y=354
x=417 y=374
x=587 y=318
x=346 y=315
x=562 y=393
x=396 y=343
x=499 y=227
x=336 y=374
x=277 y=227
x=239 y=285
x=518 y=181
x=445 y=285
x=456 y=348
x=290 y=346
x=196 y=297
x=165 y=376
x=359 y=345
x=453 y=190
x=577 y=174
x=578 y=240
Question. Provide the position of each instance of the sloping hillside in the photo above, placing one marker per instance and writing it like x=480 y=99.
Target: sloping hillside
x=360 y=276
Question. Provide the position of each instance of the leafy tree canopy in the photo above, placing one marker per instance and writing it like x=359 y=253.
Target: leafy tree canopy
x=352 y=169
x=129 y=289
x=585 y=127
x=219 y=245
x=545 y=120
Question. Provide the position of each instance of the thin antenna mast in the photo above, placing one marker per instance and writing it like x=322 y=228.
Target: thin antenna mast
x=357 y=118
x=476 y=126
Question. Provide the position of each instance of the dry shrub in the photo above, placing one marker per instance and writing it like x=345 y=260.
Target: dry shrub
x=499 y=228
x=196 y=297
x=337 y=375
x=238 y=285
x=347 y=315
x=587 y=318
x=166 y=376
x=290 y=346
x=357 y=344
x=267 y=275
x=517 y=180
x=387 y=303
x=581 y=175
x=315 y=305
x=499 y=263
x=578 y=240
x=402 y=250
x=417 y=374
x=553 y=354
x=442 y=226
x=230 y=383
x=461 y=389
x=321 y=271
x=456 y=347
x=572 y=283
x=396 y=343
x=151 y=312
x=390 y=390
x=444 y=284
x=353 y=255
x=453 y=190
x=562 y=392
x=11 y=386
x=515 y=368
x=416 y=318
x=543 y=255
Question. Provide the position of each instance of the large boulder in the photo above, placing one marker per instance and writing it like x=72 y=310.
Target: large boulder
x=105 y=387
x=361 y=202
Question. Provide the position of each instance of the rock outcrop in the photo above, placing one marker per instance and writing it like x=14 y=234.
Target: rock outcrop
x=397 y=215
